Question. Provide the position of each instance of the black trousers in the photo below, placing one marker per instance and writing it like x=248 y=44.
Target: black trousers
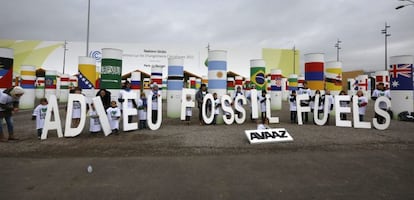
x=154 y=116
x=293 y=116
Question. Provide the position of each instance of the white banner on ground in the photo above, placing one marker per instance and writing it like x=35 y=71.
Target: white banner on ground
x=268 y=135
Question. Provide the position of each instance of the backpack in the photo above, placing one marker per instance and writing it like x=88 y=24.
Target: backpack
x=405 y=116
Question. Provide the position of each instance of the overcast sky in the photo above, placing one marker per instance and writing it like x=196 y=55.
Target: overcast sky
x=311 y=25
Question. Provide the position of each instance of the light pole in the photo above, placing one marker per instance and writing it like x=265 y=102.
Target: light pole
x=411 y=3
x=337 y=49
x=87 y=28
x=64 y=55
x=294 y=59
x=386 y=34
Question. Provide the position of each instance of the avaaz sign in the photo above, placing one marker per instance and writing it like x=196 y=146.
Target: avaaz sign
x=268 y=135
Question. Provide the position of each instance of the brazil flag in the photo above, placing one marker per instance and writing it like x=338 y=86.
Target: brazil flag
x=257 y=77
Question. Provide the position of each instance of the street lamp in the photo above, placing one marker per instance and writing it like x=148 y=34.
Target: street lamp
x=87 y=28
x=64 y=55
x=386 y=34
x=294 y=59
x=337 y=49
x=408 y=4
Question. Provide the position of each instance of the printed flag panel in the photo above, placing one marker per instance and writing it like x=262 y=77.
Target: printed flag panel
x=401 y=77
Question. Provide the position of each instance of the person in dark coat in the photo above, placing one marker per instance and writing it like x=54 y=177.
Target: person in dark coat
x=105 y=97
x=199 y=98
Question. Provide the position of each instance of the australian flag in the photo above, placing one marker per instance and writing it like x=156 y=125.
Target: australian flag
x=401 y=77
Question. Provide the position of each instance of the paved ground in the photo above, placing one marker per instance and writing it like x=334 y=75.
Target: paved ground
x=211 y=162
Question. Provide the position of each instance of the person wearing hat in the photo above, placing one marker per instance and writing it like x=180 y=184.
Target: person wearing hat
x=9 y=104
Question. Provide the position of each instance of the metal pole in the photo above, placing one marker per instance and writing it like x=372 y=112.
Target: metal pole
x=386 y=35
x=337 y=54
x=337 y=49
x=87 y=28
x=294 y=59
x=64 y=56
x=386 y=64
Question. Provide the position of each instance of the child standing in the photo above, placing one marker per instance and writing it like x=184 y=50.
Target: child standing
x=238 y=93
x=378 y=92
x=39 y=114
x=76 y=109
x=362 y=104
x=320 y=103
x=217 y=105
x=307 y=91
x=114 y=114
x=94 y=123
x=227 y=104
x=343 y=104
x=155 y=94
x=188 y=110
x=142 y=111
x=262 y=100
x=292 y=107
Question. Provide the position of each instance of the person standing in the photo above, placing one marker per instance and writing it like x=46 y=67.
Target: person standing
x=39 y=114
x=114 y=114
x=188 y=110
x=94 y=123
x=305 y=90
x=343 y=104
x=378 y=92
x=216 y=109
x=262 y=101
x=292 y=107
x=131 y=102
x=76 y=109
x=321 y=101
x=330 y=102
x=155 y=94
x=9 y=104
x=142 y=111
x=362 y=105
x=105 y=96
x=201 y=93
x=238 y=93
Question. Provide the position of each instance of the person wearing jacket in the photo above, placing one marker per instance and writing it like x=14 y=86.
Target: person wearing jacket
x=199 y=98
x=9 y=104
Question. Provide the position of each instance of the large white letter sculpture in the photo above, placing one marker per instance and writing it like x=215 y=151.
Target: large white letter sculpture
x=69 y=131
x=339 y=110
x=322 y=121
x=209 y=119
x=103 y=119
x=301 y=109
x=126 y=111
x=382 y=113
x=157 y=124
x=52 y=107
x=184 y=103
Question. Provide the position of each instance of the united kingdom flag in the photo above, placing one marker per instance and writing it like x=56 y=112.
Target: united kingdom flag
x=401 y=77
x=355 y=85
